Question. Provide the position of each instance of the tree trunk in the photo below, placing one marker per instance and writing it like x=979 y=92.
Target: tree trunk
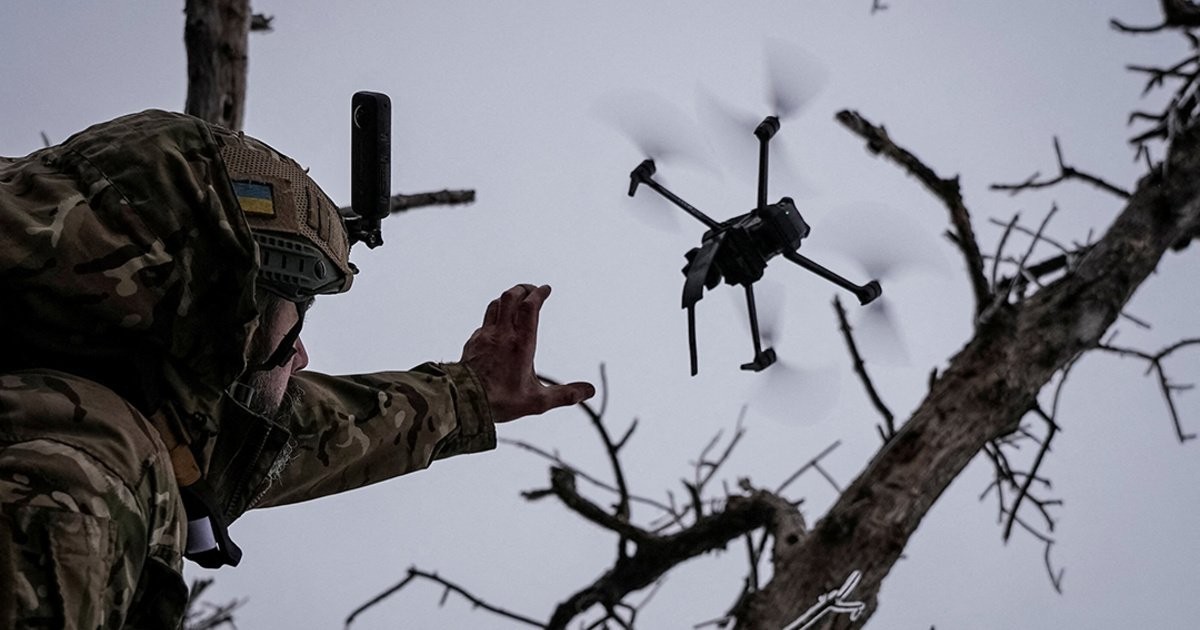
x=986 y=390
x=215 y=35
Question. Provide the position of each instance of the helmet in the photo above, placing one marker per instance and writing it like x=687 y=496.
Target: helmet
x=303 y=249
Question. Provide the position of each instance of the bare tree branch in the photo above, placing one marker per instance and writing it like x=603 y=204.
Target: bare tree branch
x=402 y=202
x=610 y=447
x=888 y=430
x=1065 y=172
x=656 y=555
x=1181 y=14
x=706 y=468
x=1008 y=228
x=261 y=23
x=814 y=463
x=1034 y=272
x=1168 y=388
x=562 y=484
x=414 y=573
x=560 y=462
x=946 y=190
x=1015 y=226
x=1001 y=299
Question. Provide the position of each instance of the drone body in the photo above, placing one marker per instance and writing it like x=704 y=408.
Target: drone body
x=737 y=250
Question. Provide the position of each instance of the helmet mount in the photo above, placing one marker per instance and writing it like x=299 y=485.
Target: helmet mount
x=303 y=238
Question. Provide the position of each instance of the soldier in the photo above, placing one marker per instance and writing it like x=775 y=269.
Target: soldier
x=155 y=272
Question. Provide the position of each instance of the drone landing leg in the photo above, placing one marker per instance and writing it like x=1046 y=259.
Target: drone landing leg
x=762 y=358
x=691 y=311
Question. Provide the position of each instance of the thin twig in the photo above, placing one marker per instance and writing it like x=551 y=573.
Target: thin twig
x=1008 y=228
x=712 y=466
x=888 y=431
x=1156 y=365
x=809 y=464
x=1024 y=490
x=612 y=448
x=1002 y=298
x=414 y=573
x=1033 y=273
x=1028 y=232
x=401 y=202
x=559 y=461
x=1065 y=172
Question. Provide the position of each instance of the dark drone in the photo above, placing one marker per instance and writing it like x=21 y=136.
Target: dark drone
x=737 y=250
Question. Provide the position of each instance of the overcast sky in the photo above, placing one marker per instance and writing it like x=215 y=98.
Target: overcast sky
x=513 y=99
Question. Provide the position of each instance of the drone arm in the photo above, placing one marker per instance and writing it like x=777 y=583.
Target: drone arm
x=865 y=293
x=644 y=174
x=764 y=132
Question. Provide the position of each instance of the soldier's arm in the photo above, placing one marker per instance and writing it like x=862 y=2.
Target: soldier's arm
x=355 y=430
x=351 y=431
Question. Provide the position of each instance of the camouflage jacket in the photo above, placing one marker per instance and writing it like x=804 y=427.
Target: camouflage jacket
x=128 y=273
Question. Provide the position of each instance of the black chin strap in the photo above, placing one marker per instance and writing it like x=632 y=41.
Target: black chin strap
x=284 y=351
x=208 y=541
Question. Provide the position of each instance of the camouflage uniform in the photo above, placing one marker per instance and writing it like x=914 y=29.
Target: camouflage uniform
x=128 y=275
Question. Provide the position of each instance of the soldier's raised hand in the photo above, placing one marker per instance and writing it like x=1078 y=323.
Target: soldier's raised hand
x=501 y=354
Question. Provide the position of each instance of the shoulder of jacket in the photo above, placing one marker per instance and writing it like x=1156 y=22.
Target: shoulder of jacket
x=80 y=414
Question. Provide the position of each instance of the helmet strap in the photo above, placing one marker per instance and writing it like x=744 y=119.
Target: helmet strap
x=284 y=351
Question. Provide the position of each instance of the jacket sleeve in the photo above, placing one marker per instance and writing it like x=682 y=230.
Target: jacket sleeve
x=351 y=431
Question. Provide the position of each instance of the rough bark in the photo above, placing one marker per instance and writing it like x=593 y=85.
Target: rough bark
x=987 y=388
x=215 y=34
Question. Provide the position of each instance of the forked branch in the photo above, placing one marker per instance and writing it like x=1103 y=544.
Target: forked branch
x=1169 y=389
x=415 y=573
x=1065 y=172
x=946 y=190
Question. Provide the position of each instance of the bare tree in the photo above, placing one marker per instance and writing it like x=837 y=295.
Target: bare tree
x=1032 y=321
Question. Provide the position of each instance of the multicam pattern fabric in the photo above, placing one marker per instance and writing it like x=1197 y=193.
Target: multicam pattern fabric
x=91 y=524
x=127 y=270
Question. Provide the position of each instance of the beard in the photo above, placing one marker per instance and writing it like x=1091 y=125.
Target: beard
x=274 y=397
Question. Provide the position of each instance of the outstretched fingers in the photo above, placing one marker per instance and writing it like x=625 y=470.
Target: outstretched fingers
x=501 y=353
x=529 y=310
x=511 y=304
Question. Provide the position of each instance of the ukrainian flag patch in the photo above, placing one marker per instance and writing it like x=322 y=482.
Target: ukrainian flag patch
x=255 y=198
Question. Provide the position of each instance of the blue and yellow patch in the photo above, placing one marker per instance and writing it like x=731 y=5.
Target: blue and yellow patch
x=255 y=198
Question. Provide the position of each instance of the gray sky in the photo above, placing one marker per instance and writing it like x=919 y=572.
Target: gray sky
x=502 y=97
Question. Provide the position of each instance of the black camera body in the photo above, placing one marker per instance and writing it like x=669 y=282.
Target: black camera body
x=750 y=241
x=370 y=166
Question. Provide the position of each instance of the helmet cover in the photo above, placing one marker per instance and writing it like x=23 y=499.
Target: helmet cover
x=302 y=244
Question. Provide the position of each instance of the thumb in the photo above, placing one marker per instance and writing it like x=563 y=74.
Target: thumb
x=569 y=394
